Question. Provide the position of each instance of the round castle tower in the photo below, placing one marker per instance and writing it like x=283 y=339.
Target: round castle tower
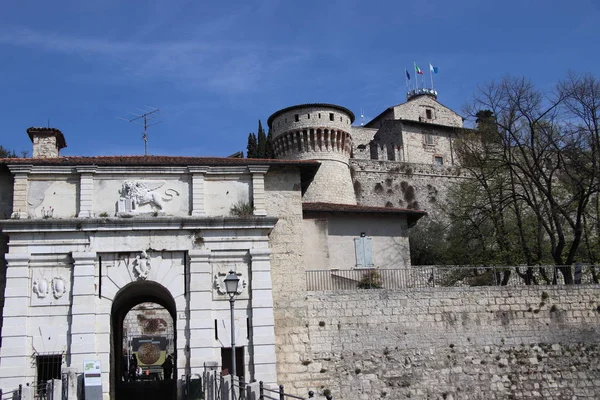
x=318 y=132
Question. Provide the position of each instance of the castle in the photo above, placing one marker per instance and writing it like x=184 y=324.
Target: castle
x=85 y=239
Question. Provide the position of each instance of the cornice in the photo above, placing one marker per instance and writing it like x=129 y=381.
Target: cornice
x=135 y=224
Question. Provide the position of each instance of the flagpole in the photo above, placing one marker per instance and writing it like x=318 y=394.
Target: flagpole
x=431 y=74
x=416 y=75
x=406 y=79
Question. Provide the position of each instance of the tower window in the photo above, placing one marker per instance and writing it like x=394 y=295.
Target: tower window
x=428 y=114
x=297 y=117
x=439 y=160
x=340 y=119
x=319 y=115
x=429 y=139
x=308 y=116
x=331 y=117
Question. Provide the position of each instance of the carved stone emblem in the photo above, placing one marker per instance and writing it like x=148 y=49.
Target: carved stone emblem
x=58 y=287
x=134 y=194
x=219 y=283
x=141 y=265
x=40 y=287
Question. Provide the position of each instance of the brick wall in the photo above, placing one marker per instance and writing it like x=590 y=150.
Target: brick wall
x=463 y=343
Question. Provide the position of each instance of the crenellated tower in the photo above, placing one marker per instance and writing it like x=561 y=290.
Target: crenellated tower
x=318 y=132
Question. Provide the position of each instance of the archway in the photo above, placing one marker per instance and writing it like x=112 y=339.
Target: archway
x=127 y=298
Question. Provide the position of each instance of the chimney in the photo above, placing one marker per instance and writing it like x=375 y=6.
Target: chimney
x=47 y=142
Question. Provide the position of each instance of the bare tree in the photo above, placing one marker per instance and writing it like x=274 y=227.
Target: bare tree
x=536 y=159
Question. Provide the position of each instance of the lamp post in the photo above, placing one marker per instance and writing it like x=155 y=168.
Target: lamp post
x=231 y=285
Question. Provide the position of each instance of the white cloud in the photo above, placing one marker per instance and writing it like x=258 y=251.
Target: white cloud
x=221 y=65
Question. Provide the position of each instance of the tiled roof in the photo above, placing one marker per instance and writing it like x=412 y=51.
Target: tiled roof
x=332 y=207
x=156 y=160
x=60 y=138
x=412 y=215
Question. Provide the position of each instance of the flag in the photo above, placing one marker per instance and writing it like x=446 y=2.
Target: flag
x=433 y=69
x=418 y=70
x=407 y=74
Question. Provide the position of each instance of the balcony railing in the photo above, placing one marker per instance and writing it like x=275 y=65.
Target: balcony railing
x=450 y=276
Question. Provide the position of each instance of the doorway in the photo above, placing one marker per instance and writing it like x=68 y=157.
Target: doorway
x=143 y=343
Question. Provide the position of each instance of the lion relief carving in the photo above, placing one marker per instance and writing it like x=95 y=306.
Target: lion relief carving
x=134 y=194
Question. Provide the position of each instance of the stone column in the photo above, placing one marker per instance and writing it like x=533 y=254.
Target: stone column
x=198 y=190
x=15 y=353
x=20 y=191
x=263 y=320
x=83 y=311
x=258 y=189
x=86 y=191
x=200 y=313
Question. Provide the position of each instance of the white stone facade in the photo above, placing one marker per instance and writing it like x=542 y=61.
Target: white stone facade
x=121 y=231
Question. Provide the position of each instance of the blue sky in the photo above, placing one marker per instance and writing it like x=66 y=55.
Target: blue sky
x=215 y=68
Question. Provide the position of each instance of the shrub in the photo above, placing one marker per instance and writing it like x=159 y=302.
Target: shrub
x=370 y=280
x=242 y=209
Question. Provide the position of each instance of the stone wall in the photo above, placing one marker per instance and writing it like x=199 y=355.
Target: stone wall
x=45 y=147
x=452 y=343
x=311 y=117
x=404 y=185
x=284 y=200
x=415 y=110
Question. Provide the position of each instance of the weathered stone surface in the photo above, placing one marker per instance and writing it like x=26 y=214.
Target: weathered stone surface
x=391 y=345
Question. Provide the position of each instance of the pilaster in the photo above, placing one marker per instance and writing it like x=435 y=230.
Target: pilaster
x=83 y=321
x=86 y=191
x=263 y=320
x=200 y=318
x=258 y=189
x=198 y=190
x=15 y=353
x=20 y=190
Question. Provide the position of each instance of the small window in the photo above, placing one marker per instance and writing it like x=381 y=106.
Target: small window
x=341 y=119
x=297 y=117
x=364 y=251
x=429 y=114
x=308 y=116
x=286 y=120
x=331 y=117
x=439 y=160
x=319 y=115
x=429 y=139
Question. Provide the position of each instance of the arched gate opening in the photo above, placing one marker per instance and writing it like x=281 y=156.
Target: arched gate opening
x=147 y=349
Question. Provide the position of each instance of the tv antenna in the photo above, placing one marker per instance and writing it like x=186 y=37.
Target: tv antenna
x=146 y=119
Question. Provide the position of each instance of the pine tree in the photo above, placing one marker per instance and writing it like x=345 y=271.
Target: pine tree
x=270 y=152
x=262 y=142
x=6 y=153
x=252 y=147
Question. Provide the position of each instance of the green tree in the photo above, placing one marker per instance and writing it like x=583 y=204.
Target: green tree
x=269 y=151
x=252 y=147
x=262 y=141
x=6 y=153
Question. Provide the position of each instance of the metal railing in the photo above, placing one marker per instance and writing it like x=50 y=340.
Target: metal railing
x=16 y=394
x=218 y=387
x=450 y=276
x=266 y=393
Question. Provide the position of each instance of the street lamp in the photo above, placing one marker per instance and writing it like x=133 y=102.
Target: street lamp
x=231 y=286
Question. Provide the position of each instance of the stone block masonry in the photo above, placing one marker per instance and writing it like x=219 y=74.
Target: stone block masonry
x=451 y=343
